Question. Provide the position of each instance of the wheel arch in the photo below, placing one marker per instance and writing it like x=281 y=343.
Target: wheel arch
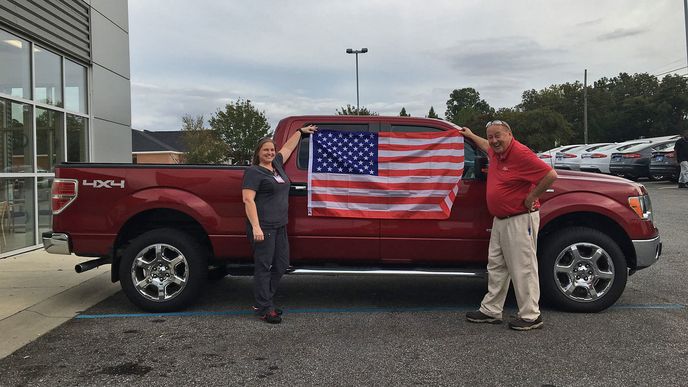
x=595 y=221
x=153 y=219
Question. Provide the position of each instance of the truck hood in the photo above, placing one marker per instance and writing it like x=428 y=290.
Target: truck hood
x=571 y=181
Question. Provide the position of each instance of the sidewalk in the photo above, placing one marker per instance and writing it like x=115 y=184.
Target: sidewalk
x=40 y=291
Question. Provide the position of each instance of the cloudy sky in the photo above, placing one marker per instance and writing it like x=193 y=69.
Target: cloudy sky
x=288 y=57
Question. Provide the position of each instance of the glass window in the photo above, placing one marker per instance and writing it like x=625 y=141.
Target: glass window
x=45 y=214
x=76 y=138
x=48 y=139
x=16 y=213
x=15 y=77
x=48 y=77
x=16 y=141
x=75 y=87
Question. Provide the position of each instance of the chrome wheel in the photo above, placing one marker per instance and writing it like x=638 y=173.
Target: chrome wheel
x=159 y=272
x=584 y=272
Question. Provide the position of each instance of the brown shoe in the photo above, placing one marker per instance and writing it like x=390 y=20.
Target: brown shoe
x=480 y=317
x=520 y=324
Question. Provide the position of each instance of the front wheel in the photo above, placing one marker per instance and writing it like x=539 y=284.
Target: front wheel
x=163 y=270
x=581 y=270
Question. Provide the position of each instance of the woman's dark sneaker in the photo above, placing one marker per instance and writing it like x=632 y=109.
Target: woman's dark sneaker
x=271 y=317
x=257 y=311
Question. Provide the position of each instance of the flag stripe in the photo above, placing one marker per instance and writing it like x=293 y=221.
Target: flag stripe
x=376 y=192
x=323 y=178
x=420 y=172
x=417 y=160
x=439 y=135
x=385 y=200
x=433 y=146
x=427 y=165
x=379 y=206
x=385 y=214
x=374 y=185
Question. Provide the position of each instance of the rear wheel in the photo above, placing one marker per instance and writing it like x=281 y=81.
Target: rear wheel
x=163 y=270
x=581 y=270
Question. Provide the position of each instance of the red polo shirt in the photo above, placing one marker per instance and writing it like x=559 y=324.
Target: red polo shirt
x=510 y=177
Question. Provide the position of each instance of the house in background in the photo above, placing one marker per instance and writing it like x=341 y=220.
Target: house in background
x=157 y=147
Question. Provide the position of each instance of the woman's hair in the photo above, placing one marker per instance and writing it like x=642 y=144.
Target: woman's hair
x=262 y=142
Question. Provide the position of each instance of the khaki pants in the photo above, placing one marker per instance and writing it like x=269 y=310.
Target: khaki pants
x=683 y=177
x=512 y=257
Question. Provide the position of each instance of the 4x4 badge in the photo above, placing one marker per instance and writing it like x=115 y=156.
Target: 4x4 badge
x=103 y=183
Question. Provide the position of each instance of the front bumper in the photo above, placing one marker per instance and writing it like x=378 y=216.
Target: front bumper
x=647 y=251
x=56 y=243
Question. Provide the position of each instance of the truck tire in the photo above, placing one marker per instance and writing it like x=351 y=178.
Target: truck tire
x=581 y=270
x=163 y=270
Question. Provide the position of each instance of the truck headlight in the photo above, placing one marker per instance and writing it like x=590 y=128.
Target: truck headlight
x=642 y=206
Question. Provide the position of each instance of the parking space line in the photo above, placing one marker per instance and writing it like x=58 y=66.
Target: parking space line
x=341 y=310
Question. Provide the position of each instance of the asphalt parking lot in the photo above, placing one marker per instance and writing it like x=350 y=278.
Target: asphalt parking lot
x=379 y=330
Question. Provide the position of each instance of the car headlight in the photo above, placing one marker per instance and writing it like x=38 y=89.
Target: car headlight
x=642 y=206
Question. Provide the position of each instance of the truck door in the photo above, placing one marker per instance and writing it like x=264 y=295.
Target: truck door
x=327 y=239
x=460 y=239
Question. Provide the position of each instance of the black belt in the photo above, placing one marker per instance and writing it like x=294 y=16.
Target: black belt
x=511 y=216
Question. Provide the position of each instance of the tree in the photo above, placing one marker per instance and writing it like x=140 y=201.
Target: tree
x=204 y=145
x=432 y=114
x=403 y=113
x=539 y=129
x=240 y=126
x=353 y=111
x=466 y=108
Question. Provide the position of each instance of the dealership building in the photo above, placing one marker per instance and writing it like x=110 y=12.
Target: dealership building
x=64 y=96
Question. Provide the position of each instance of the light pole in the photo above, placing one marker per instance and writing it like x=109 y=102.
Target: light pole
x=361 y=51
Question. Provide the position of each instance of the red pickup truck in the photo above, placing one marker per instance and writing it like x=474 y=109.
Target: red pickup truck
x=164 y=228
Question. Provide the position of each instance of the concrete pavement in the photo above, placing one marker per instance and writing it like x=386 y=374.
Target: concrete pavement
x=40 y=291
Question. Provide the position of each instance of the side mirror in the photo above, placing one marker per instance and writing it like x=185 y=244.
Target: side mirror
x=481 y=164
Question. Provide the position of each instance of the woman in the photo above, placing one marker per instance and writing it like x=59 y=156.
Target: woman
x=265 y=191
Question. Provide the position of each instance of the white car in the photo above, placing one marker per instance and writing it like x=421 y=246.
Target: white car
x=598 y=160
x=548 y=155
x=571 y=159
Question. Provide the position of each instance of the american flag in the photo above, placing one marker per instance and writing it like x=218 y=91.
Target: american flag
x=384 y=175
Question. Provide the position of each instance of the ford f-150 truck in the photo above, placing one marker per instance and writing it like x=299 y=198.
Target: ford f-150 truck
x=164 y=228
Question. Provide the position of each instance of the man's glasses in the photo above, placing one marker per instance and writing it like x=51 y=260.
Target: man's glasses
x=497 y=122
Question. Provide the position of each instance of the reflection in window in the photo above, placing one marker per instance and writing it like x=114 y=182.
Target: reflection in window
x=15 y=77
x=16 y=213
x=48 y=77
x=48 y=139
x=76 y=138
x=75 y=87
x=16 y=144
x=45 y=214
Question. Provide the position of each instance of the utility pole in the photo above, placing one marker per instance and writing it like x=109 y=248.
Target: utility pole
x=585 y=106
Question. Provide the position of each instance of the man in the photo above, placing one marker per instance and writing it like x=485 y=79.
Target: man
x=681 y=149
x=516 y=178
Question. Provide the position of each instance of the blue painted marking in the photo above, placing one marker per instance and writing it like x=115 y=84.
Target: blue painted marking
x=648 y=306
x=343 y=310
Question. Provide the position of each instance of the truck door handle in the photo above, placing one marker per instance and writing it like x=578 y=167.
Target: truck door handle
x=298 y=189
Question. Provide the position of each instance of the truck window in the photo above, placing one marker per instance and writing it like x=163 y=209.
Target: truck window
x=302 y=159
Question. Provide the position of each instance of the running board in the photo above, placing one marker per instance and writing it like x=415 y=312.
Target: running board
x=339 y=271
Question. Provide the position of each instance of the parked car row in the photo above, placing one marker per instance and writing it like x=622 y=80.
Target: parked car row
x=648 y=157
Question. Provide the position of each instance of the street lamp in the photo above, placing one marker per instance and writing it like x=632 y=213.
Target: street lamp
x=361 y=51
